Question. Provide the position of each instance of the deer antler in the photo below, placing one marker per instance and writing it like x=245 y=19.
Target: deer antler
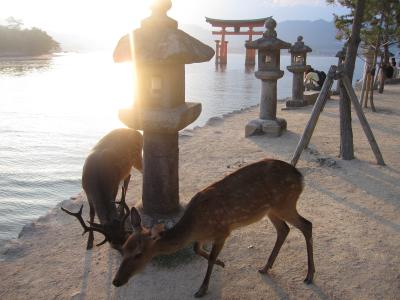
x=93 y=226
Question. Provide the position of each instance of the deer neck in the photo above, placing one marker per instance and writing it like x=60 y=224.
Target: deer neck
x=174 y=239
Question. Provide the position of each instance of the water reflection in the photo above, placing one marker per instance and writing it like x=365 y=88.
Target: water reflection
x=23 y=66
x=249 y=69
x=54 y=110
x=220 y=68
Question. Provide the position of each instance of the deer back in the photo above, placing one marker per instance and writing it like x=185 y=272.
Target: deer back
x=243 y=197
x=110 y=162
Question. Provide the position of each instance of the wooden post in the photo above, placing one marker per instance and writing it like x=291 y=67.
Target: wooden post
x=373 y=73
x=364 y=87
x=368 y=85
x=371 y=88
x=317 y=109
x=363 y=120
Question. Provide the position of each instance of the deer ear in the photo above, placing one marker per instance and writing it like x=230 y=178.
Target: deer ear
x=136 y=221
x=157 y=231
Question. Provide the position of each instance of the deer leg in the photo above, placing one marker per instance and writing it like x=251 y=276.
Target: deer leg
x=282 y=231
x=216 y=249
x=198 y=249
x=91 y=236
x=126 y=182
x=122 y=203
x=305 y=227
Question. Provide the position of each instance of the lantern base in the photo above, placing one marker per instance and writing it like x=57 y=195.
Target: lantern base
x=298 y=69
x=294 y=104
x=269 y=128
x=149 y=220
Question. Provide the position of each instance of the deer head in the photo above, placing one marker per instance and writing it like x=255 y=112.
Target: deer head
x=114 y=232
x=138 y=250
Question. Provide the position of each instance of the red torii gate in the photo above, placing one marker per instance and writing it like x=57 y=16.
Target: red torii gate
x=221 y=56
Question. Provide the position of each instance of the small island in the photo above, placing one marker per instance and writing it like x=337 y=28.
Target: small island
x=17 y=41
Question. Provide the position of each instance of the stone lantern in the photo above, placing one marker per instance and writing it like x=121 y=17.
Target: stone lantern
x=341 y=55
x=298 y=66
x=160 y=51
x=269 y=47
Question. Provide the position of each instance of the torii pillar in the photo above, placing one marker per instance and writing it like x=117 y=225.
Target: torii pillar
x=250 y=53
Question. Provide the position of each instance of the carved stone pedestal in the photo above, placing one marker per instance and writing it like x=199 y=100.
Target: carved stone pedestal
x=269 y=128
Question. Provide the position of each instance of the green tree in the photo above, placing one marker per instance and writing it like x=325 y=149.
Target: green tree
x=16 y=41
x=380 y=25
x=14 y=23
x=355 y=18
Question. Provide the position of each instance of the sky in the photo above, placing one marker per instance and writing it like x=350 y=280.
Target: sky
x=114 y=18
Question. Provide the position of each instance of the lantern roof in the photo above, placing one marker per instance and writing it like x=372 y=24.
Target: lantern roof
x=159 y=41
x=342 y=53
x=269 y=41
x=299 y=46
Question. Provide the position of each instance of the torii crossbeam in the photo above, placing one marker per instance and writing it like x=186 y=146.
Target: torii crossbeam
x=221 y=56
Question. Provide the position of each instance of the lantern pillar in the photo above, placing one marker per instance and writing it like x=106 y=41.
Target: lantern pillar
x=269 y=72
x=298 y=66
x=160 y=173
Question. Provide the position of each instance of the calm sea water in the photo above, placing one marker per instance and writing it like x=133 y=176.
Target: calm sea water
x=53 y=111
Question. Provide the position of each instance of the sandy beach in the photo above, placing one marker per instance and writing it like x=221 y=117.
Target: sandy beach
x=354 y=207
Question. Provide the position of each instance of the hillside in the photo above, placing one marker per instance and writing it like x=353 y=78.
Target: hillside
x=319 y=35
x=25 y=42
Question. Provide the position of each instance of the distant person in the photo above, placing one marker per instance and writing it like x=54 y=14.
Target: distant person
x=314 y=80
x=395 y=68
x=389 y=71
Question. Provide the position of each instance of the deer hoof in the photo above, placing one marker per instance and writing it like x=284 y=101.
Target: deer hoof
x=201 y=292
x=309 y=279
x=220 y=263
x=89 y=245
x=264 y=270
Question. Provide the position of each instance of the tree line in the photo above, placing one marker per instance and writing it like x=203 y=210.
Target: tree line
x=16 y=41
x=375 y=24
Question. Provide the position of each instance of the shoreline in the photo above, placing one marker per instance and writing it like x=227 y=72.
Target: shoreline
x=187 y=132
x=352 y=204
x=27 y=57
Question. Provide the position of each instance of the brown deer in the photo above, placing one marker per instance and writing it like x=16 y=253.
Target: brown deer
x=109 y=163
x=268 y=187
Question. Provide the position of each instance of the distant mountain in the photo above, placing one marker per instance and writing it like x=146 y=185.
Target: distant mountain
x=319 y=35
x=16 y=41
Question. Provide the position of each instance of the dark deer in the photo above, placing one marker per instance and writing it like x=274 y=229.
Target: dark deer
x=268 y=187
x=109 y=163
